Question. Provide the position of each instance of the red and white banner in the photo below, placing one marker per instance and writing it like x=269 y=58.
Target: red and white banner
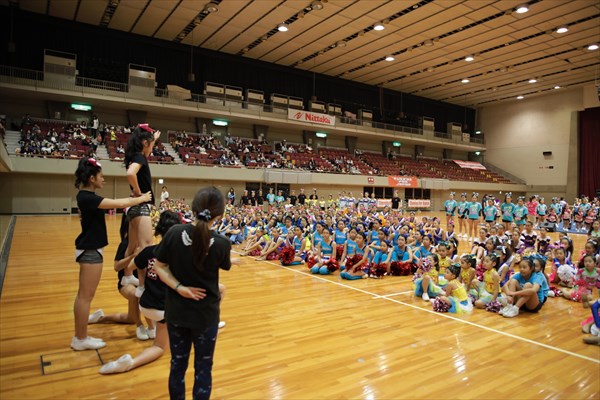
x=469 y=164
x=384 y=203
x=307 y=116
x=402 y=181
x=413 y=203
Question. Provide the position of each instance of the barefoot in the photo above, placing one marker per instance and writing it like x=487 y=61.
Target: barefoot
x=260 y=258
x=587 y=327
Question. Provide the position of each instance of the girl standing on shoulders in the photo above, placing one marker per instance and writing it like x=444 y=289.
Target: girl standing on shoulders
x=188 y=260
x=90 y=243
x=139 y=148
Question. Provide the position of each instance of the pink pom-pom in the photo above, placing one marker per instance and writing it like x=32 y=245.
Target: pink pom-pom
x=440 y=306
x=494 y=306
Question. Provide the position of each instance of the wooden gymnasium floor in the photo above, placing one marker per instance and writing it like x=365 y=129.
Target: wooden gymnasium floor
x=289 y=335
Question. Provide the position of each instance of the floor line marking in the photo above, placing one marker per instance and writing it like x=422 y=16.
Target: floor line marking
x=381 y=296
x=444 y=315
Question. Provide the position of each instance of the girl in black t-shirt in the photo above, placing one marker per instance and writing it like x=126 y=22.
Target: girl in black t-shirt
x=152 y=302
x=189 y=258
x=91 y=241
x=138 y=149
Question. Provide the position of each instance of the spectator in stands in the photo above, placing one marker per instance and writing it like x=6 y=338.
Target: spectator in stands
x=94 y=128
x=164 y=195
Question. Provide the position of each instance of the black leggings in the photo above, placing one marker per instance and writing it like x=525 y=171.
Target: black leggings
x=180 y=340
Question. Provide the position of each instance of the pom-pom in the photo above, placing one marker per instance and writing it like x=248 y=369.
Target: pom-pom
x=566 y=274
x=378 y=270
x=339 y=251
x=494 y=306
x=440 y=306
x=479 y=270
x=255 y=253
x=287 y=255
x=272 y=255
x=332 y=265
x=400 y=268
x=352 y=261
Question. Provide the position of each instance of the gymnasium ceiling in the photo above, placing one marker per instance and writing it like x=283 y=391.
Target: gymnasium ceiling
x=428 y=39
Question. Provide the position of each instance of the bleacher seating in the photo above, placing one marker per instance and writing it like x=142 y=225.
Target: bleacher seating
x=203 y=149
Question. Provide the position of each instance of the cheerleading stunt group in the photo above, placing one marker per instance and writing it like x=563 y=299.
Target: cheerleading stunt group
x=175 y=285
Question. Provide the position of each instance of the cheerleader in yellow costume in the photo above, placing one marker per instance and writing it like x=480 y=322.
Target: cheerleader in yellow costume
x=425 y=280
x=456 y=297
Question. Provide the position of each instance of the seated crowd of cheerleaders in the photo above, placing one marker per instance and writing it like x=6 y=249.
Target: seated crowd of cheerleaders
x=371 y=244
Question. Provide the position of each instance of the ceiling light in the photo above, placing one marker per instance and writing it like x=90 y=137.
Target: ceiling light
x=430 y=69
x=465 y=80
x=562 y=29
x=321 y=134
x=379 y=27
x=477 y=153
x=210 y=8
x=282 y=28
x=520 y=97
x=592 y=47
x=532 y=80
x=522 y=9
x=219 y=122
x=389 y=58
x=556 y=87
x=316 y=5
x=341 y=43
x=478 y=132
x=469 y=58
x=428 y=42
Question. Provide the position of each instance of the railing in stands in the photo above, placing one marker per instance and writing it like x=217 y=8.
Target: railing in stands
x=26 y=77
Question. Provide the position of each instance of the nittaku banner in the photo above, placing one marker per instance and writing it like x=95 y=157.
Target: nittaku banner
x=307 y=116
x=402 y=181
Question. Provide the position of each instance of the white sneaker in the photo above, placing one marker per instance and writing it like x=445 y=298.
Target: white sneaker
x=425 y=297
x=123 y=364
x=513 y=311
x=95 y=316
x=551 y=293
x=222 y=324
x=141 y=333
x=89 y=343
x=505 y=309
x=151 y=333
x=129 y=279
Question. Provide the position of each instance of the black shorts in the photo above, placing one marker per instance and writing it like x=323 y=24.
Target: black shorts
x=141 y=210
x=537 y=308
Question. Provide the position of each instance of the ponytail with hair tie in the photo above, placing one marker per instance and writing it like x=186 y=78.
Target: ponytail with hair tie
x=204 y=215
